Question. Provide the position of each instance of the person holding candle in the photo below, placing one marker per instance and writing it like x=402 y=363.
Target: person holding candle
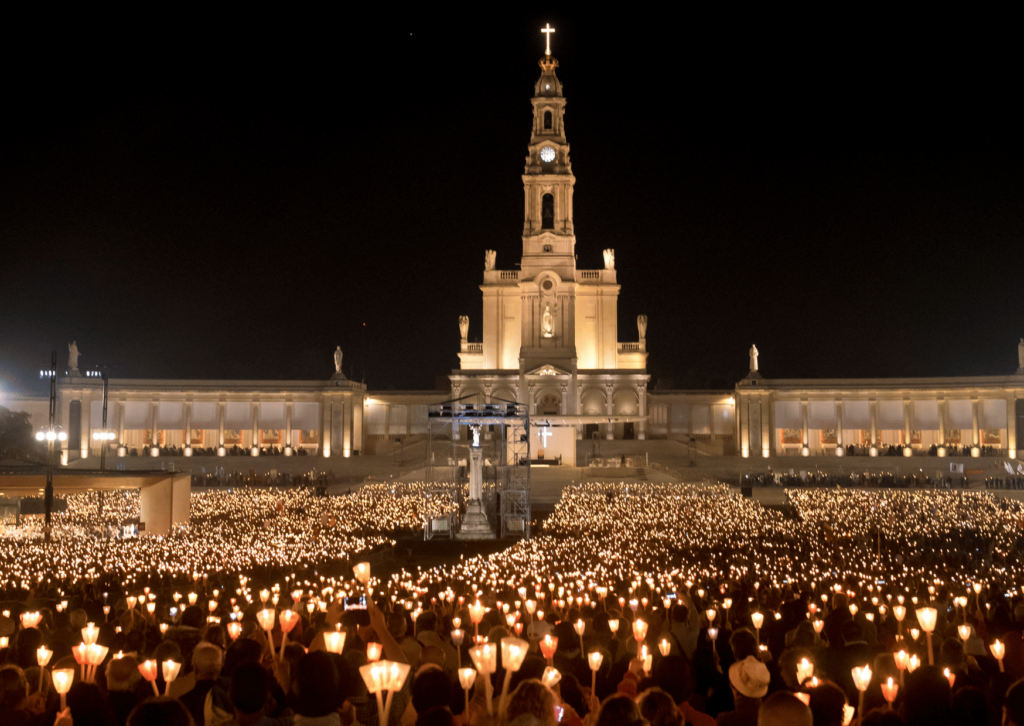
x=122 y=677
x=748 y=679
x=16 y=706
x=207 y=661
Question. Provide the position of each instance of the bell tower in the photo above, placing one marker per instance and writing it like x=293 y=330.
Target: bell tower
x=549 y=242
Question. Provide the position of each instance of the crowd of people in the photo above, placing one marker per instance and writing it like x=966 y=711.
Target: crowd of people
x=867 y=479
x=637 y=604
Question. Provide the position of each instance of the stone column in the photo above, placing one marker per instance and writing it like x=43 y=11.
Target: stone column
x=256 y=425
x=153 y=424
x=326 y=416
x=220 y=423
x=120 y=423
x=1011 y=426
x=974 y=422
x=873 y=408
x=839 y=424
x=942 y=422
x=642 y=428
x=609 y=433
x=288 y=425
x=906 y=423
x=188 y=424
x=743 y=420
x=387 y=419
x=806 y=434
x=347 y=416
x=86 y=418
x=358 y=407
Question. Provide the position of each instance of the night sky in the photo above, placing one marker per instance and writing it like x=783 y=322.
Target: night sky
x=234 y=197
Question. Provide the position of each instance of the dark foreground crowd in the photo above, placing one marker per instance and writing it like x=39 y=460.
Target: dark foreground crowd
x=734 y=674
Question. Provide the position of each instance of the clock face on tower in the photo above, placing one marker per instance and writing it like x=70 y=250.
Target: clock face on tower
x=547 y=154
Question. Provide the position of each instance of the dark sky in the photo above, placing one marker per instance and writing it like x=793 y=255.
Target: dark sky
x=233 y=197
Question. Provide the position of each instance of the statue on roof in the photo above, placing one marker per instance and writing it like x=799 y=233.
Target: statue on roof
x=73 y=356
x=1020 y=354
x=489 y=258
x=337 y=359
x=753 y=358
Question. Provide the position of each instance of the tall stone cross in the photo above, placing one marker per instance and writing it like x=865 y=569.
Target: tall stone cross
x=545 y=434
x=547 y=30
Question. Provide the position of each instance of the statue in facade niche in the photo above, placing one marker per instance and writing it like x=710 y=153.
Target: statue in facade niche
x=641 y=325
x=547 y=323
x=73 y=356
x=489 y=257
x=609 y=259
x=337 y=359
x=464 y=327
x=753 y=358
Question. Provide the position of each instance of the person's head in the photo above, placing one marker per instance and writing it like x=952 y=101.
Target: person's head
x=87 y=705
x=436 y=716
x=951 y=653
x=743 y=643
x=784 y=709
x=926 y=697
x=680 y=613
x=851 y=632
x=316 y=685
x=827 y=704
x=788 y=662
x=840 y=602
x=970 y=707
x=167 y=650
x=1013 y=705
x=749 y=677
x=674 y=676
x=243 y=650
x=160 y=711
x=658 y=708
x=397 y=625
x=432 y=655
x=619 y=710
x=123 y=674
x=250 y=687
x=427 y=621
x=431 y=688
x=534 y=698
x=78 y=619
x=207 y=660
x=13 y=687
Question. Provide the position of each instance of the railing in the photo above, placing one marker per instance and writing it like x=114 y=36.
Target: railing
x=590 y=274
x=629 y=348
x=509 y=274
x=474 y=347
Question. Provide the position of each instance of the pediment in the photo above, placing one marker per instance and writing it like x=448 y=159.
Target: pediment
x=548 y=370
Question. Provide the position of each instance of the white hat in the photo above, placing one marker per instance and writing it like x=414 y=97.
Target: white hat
x=749 y=677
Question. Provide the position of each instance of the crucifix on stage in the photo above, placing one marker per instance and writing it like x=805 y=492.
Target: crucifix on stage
x=544 y=434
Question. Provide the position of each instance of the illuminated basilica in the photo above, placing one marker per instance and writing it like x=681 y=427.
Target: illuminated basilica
x=550 y=339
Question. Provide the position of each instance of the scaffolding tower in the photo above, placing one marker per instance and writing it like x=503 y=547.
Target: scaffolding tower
x=505 y=439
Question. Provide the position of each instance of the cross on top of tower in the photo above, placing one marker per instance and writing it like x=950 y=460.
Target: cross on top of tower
x=547 y=30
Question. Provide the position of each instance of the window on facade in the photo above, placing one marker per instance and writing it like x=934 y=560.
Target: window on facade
x=547 y=212
x=549 y=248
x=547 y=120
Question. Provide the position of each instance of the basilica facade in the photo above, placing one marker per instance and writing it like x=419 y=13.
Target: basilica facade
x=549 y=339
x=550 y=336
